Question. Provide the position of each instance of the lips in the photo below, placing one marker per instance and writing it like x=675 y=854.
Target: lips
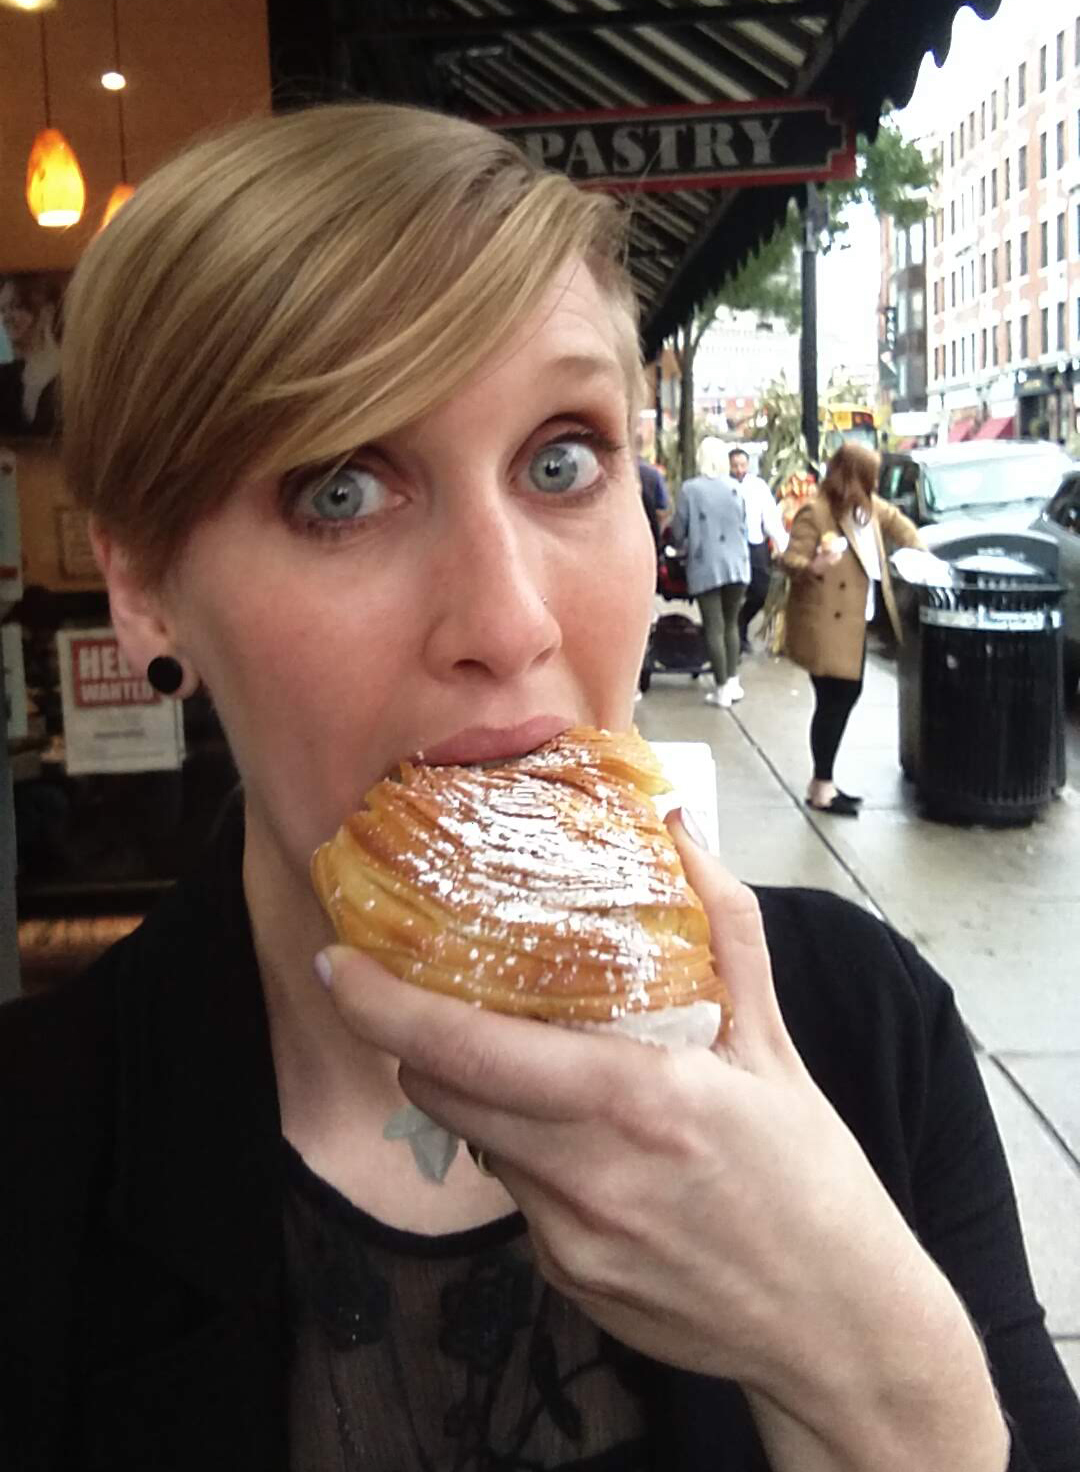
x=493 y=743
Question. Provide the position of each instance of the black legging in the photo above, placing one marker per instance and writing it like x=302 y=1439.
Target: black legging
x=758 y=591
x=834 y=701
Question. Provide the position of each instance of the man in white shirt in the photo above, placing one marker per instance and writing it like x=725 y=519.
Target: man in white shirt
x=763 y=520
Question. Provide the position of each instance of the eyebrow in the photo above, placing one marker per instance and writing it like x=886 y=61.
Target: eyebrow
x=586 y=365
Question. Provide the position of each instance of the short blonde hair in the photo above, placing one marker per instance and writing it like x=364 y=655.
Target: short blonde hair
x=299 y=285
x=713 y=457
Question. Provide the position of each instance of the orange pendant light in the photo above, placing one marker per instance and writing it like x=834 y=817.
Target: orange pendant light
x=117 y=199
x=55 y=190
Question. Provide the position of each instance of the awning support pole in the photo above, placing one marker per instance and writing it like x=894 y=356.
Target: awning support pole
x=808 y=341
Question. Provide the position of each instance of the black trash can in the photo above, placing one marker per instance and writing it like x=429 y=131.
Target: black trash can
x=982 y=731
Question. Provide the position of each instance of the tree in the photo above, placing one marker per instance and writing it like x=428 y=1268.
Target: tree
x=892 y=175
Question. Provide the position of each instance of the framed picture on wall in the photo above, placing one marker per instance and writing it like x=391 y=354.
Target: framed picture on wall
x=30 y=312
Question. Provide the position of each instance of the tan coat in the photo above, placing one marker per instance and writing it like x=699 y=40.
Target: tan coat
x=825 y=622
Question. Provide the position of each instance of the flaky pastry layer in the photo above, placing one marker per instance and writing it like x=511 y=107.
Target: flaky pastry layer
x=546 y=886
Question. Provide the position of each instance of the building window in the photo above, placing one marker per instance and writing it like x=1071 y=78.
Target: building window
x=994 y=266
x=1024 y=337
x=1023 y=252
x=1045 y=314
x=1059 y=56
x=952 y=150
x=1005 y=98
x=960 y=140
x=1076 y=47
x=982 y=348
x=1021 y=168
x=993 y=189
x=1008 y=342
x=982 y=273
x=918 y=310
x=952 y=360
x=1008 y=260
x=952 y=216
x=982 y=121
x=1021 y=84
x=993 y=347
x=971 y=280
x=1062 y=242
x=971 y=129
x=952 y=293
x=982 y=195
x=917 y=243
x=963 y=355
x=1042 y=155
x=1042 y=68
x=1061 y=327
x=1044 y=245
x=1008 y=177
x=993 y=106
x=1061 y=145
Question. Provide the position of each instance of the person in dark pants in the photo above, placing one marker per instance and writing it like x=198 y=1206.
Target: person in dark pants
x=763 y=521
x=710 y=522
x=836 y=558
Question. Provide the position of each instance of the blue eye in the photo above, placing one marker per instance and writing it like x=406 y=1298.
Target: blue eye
x=566 y=465
x=349 y=494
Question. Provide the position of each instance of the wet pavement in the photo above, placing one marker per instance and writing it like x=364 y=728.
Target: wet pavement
x=996 y=910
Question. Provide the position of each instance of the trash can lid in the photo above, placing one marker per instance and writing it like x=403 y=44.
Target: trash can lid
x=996 y=565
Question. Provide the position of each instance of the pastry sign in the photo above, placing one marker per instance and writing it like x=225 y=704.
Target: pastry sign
x=690 y=147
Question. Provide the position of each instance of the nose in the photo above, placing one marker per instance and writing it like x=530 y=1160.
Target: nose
x=490 y=618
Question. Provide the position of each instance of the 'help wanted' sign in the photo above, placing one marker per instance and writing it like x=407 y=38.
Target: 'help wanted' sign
x=102 y=676
x=114 y=721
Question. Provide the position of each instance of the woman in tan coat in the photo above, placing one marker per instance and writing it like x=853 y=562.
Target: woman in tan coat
x=835 y=560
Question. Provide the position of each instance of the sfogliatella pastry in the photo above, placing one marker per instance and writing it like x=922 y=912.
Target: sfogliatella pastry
x=545 y=886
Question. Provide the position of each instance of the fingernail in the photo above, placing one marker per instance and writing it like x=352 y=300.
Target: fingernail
x=324 y=968
x=692 y=825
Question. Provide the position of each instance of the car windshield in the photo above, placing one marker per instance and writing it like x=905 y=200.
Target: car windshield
x=994 y=481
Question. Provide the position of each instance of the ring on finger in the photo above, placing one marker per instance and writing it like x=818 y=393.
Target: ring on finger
x=480 y=1160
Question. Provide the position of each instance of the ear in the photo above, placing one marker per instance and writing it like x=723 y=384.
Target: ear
x=139 y=615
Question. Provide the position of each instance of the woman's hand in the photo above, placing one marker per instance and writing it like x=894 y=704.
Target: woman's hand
x=829 y=556
x=708 y=1207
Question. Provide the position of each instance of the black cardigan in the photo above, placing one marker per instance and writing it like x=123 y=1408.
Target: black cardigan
x=140 y=1231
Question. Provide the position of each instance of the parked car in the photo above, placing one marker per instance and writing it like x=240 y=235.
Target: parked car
x=1061 y=519
x=997 y=485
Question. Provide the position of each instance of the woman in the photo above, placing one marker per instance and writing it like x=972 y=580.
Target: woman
x=836 y=560
x=29 y=308
x=710 y=523
x=371 y=483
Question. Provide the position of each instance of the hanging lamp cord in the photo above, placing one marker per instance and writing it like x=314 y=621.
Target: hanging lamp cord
x=45 y=72
x=120 y=93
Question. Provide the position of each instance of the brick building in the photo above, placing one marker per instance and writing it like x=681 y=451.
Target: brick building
x=1003 y=266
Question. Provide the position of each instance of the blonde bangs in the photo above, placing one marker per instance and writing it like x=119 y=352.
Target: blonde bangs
x=296 y=287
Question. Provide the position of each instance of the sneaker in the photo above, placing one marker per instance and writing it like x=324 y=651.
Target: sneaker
x=734 y=690
x=720 y=697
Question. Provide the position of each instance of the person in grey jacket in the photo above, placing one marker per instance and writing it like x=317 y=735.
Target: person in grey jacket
x=710 y=525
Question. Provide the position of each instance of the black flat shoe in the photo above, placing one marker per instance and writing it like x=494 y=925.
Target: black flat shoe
x=840 y=807
x=848 y=797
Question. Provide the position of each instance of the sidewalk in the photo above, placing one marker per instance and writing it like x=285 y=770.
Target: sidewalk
x=997 y=911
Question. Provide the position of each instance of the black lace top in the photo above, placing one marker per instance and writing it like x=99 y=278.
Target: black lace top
x=441 y=1354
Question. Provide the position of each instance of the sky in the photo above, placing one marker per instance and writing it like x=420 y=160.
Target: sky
x=848 y=278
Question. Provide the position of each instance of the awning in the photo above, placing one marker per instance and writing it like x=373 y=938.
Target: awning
x=485 y=58
x=961 y=431
x=995 y=429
